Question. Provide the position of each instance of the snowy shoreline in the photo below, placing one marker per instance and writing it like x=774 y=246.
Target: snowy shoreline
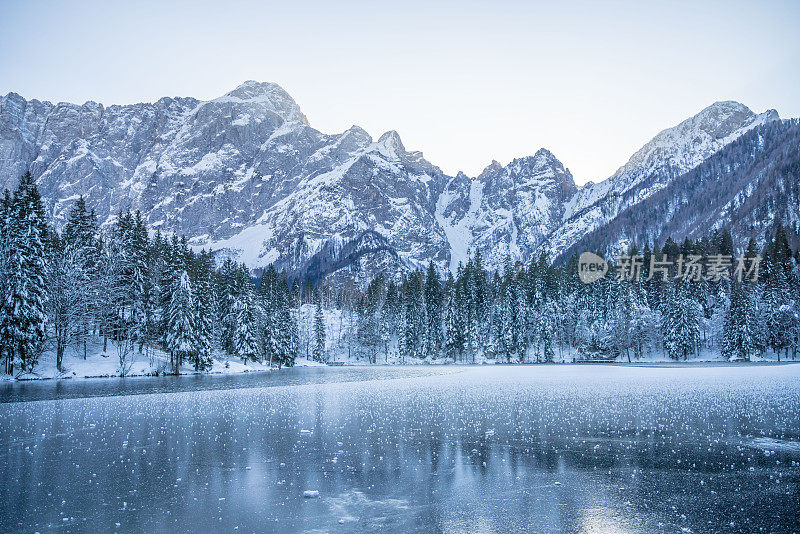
x=93 y=367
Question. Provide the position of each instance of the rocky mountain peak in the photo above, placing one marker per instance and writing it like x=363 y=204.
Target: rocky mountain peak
x=390 y=145
x=542 y=160
x=493 y=167
x=391 y=140
x=270 y=95
x=684 y=146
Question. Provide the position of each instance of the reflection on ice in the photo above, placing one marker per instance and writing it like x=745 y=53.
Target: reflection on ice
x=489 y=449
x=771 y=444
x=356 y=508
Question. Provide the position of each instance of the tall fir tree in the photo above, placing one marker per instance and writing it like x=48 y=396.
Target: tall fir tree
x=203 y=311
x=181 y=322
x=83 y=245
x=740 y=340
x=246 y=313
x=23 y=316
x=319 y=333
x=433 y=313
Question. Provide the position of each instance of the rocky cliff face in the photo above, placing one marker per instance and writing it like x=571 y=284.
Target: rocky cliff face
x=243 y=174
x=748 y=186
x=506 y=211
x=246 y=175
x=668 y=155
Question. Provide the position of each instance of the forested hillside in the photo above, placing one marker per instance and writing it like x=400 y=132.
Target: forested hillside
x=136 y=292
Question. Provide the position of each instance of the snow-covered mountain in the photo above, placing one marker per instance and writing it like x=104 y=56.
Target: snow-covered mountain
x=748 y=186
x=505 y=211
x=671 y=153
x=246 y=175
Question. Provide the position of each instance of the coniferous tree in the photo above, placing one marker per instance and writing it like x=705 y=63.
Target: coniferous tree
x=203 y=312
x=433 y=313
x=181 y=322
x=23 y=317
x=319 y=333
x=390 y=312
x=454 y=344
x=246 y=319
x=82 y=245
x=283 y=341
x=413 y=320
x=6 y=347
x=509 y=321
x=740 y=334
x=67 y=285
x=369 y=327
x=623 y=319
x=269 y=303
x=680 y=325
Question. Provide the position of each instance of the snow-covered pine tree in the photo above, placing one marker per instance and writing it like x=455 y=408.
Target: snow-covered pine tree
x=23 y=317
x=413 y=323
x=390 y=311
x=549 y=328
x=669 y=312
x=141 y=279
x=246 y=315
x=269 y=302
x=451 y=326
x=433 y=313
x=682 y=336
x=622 y=324
x=294 y=328
x=67 y=285
x=473 y=310
x=82 y=244
x=285 y=347
x=6 y=347
x=122 y=276
x=319 y=333
x=492 y=347
x=644 y=324
x=740 y=330
x=508 y=316
x=368 y=308
x=181 y=322
x=231 y=280
x=777 y=299
x=204 y=311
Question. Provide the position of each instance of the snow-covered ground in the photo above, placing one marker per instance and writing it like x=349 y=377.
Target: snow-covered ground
x=150 y=362
x=341 y=348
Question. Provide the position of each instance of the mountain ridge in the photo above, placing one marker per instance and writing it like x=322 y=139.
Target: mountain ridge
x=246 y=175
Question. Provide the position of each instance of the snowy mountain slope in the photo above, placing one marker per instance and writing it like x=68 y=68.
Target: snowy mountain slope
x=247 y=176
x=669 y=154
x=748 y=186
x=243 y=173
x=506 y=211
x=380 y=187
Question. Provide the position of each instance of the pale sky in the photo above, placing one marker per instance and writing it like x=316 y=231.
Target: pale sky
x=465 y=82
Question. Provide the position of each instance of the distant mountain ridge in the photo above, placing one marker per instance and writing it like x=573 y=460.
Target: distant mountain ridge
x=748 y=186
x=246 y=175
x=671 y=153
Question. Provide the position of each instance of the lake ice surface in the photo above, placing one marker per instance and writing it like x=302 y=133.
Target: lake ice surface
x=442 y=449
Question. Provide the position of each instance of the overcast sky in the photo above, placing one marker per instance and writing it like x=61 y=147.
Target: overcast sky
x=463 y=82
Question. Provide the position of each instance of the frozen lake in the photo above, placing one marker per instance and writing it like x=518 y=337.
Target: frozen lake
x=433 y=449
